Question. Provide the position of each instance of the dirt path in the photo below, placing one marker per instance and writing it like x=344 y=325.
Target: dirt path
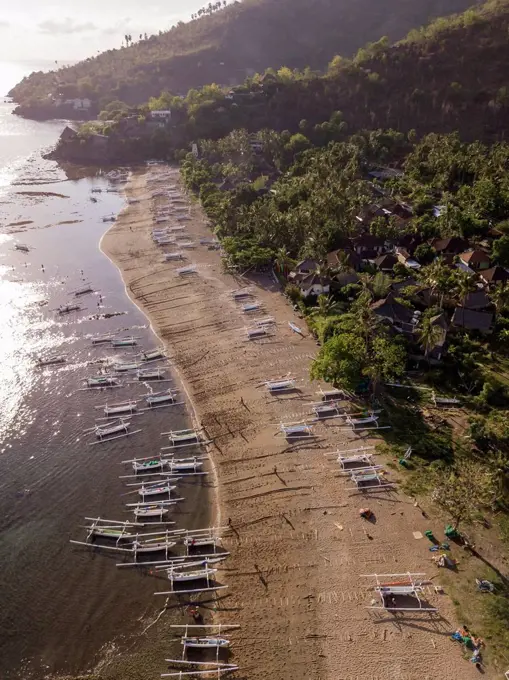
x=298 y=546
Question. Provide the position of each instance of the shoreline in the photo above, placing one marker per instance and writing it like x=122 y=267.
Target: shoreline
x=298 y=545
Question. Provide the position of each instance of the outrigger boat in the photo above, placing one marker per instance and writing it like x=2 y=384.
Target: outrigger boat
x=112 y=430
x=151 y=355
x=124 y=342
x=155 y=510
x=201 y=541
x=22 y=248
x=161 y=398
x=102 y=431
x=103 y=381
x=156 y=546
x=180 y=576
x=205 y=642
x=114 y=534
x=124 y=367
x=129 y=407
x=184 y=438
x=151 y=374
x=50 y=361
x=156 y=490
x=71 y=307
x=102 y=339
x=83 y=291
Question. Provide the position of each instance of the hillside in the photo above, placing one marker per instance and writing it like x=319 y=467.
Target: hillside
x=226 y=46
x=449 y=76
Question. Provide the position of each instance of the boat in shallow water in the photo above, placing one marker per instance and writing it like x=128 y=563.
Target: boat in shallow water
x=51 y=361
x=102 y=381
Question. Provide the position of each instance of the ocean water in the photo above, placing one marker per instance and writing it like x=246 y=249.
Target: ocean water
x=61 y=606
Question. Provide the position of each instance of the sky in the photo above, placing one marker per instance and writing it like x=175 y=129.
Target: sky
x=70 y=30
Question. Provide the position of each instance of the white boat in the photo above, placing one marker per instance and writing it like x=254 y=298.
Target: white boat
x=123 y=367
x=120 y=409
x=155 y=490
x=191 y=575
x=22 y=248
x=205 y=642
x=184 y=437
x=192 y=464
x=161 y=398
x=115 y=534
x=152 y=354
x=131 y=201
x=156 y=546
x=107 y=430
x=67 y=309
x=124 y=342
x=151 y=511
x=102 y=381
x=149 y=465
x=165 y=241
x=50 y=361
x=96 y=191
x=150 y=374
x=109 y=218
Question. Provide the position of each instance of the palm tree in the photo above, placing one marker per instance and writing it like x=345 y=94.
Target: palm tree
x=464 y=285
x=366 y=281
x=430 y=334
x=499 y=296
x=436 y=276
x=283 y=261
x=326 y=306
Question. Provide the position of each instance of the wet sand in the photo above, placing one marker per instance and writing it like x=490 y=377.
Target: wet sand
x=298 y=547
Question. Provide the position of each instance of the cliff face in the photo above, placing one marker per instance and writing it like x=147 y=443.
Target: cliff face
x=232 y=43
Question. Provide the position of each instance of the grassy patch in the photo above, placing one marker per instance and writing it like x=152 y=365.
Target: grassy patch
x=485 y=614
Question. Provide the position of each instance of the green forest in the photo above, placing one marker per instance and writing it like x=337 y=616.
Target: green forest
x=227 y=43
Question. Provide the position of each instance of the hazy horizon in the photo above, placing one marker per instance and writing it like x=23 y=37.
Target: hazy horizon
x=70 y=31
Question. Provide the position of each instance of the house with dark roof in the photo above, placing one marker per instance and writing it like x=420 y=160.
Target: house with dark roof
x=477 y=299
x=407 y=241
x=454 y=245
x=385 y=263
x=306 y=266
x=369 y=212
x=405 y=258
x=494 y=275
x=475 y=259
x=312 y=284
x=68 y=134
x=471 y=320
x=402 y=210
x=399 y=286
x=368 y=246
x=393 y=311
x=343 y=279
x=344 y=257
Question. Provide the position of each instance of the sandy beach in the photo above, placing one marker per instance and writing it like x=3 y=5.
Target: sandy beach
x=298 y=546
